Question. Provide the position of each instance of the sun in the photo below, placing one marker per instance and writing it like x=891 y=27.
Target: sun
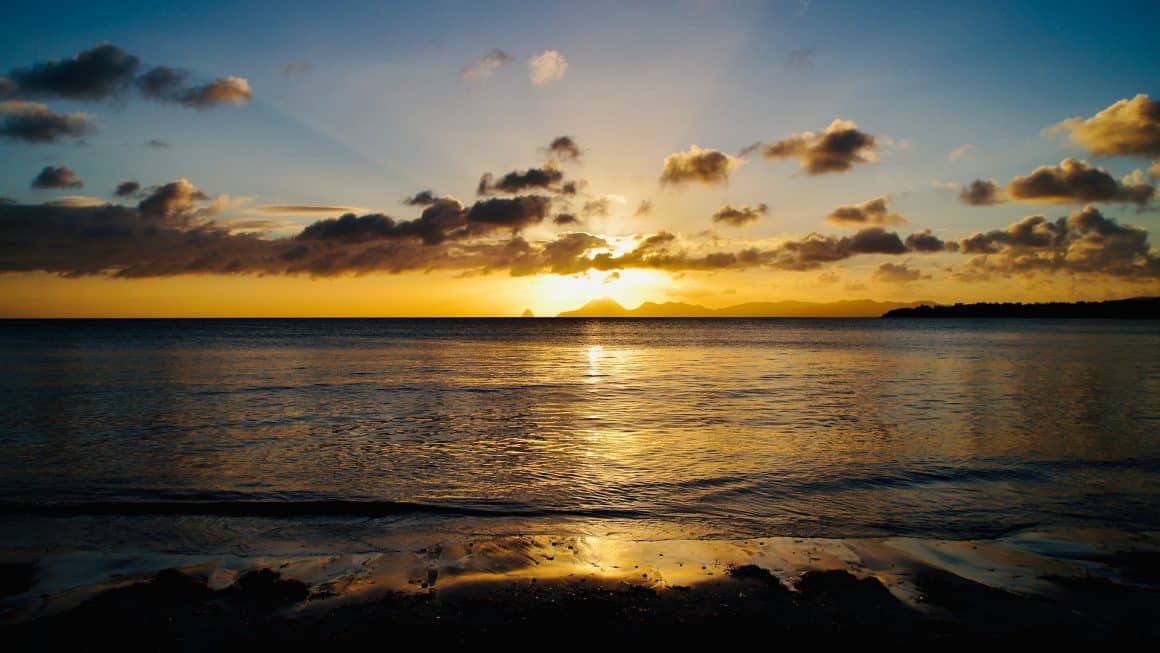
x=555 y=293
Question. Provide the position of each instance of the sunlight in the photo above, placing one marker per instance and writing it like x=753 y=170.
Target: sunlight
x=552 y=294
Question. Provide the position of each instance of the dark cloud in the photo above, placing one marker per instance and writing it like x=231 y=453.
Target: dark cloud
x=355 y=229
x=35 y=123
x=926 y=242
x=565 y=219
x=299 y=67
x=514 y=213
x=486 y=66
x=1074 y=181
x=127 y=188
x=707 y=167
x=169 y=233
x=897 y=273
x=644 y=208
x=870 y=212
x=739 y=216
x=875 y=240
x=94 y=74
x=1083 y=242
x=162 y=83
x=837 y=149
x=981 y=193
x=62 y=177
x=107 y=71
x=564 y=148
x=154 y=143
x=443 y=219
x=546 y=177
x=422 y=198
x=175 y=202
x=1127 y=128
x=166 y=84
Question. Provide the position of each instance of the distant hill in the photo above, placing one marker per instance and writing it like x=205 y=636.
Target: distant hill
x=1138 y=307
x=607 y=307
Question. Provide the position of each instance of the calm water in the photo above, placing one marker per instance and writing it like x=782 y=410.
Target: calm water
x=728 y=428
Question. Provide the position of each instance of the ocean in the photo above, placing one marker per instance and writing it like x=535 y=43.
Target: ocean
x=234 y=435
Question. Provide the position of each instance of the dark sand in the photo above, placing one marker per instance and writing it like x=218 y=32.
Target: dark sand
x=588 y=591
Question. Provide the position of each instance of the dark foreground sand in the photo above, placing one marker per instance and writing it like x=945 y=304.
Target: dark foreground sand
x=567 y=592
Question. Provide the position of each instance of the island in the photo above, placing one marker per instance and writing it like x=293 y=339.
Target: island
x=606 y=307
x=1133 y=308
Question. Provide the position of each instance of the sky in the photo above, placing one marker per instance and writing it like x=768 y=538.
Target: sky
x=453 y=158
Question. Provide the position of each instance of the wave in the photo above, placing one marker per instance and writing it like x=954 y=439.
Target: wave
x=310 y=508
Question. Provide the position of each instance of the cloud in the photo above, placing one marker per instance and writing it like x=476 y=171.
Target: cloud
x=926 y=242
x=1075 y=181
x=1154 y=171
x=960 y=152
x=870 y=212
x=739 y=216
x=706 y=167
x=156 y=144
x=644 y=208
x=982 y=193
x=1127 y=128
x=546 y=67
x=565 y=219
x=485 y=66
x=597 y=208
x=62 y=177
x=299 y=67
x=897 y=273
x=171 y=232
x=300 y=209
x=945 y=185
x=175 y=202
x=107 y=71
x=77 y=201
x=127 y=188
x=94 y=74
x=422 y=198
x=31 y=122
x=1083 y=242
x=565 y=149
x=171 y=85
x=841 y=146
x=228 y=90
x=547 y=177
x=514 y=213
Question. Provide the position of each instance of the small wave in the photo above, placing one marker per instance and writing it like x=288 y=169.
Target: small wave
x=314 y=508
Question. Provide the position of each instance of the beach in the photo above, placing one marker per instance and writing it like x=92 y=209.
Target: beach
x=1028 y=586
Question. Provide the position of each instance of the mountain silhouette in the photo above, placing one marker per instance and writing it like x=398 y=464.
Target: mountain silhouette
x=608 y=307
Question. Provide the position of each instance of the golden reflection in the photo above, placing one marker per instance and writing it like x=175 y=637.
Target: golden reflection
x=594 y=354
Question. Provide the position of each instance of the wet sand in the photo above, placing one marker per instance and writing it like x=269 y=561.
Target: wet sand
x=1028 y=586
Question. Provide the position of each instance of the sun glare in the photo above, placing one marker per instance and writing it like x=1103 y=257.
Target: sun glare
x=555 y=293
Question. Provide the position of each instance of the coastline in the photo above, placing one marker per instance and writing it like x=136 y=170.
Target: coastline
x=1095 y=583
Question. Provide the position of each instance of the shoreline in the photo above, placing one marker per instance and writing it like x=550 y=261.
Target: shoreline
x=1099 y=583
